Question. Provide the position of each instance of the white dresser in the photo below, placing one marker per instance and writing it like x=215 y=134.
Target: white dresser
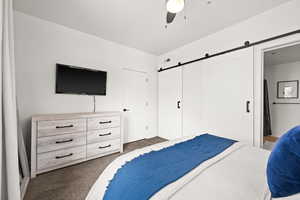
x=60 y=140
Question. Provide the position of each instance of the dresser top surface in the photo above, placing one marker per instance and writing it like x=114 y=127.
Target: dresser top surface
x=74 y=115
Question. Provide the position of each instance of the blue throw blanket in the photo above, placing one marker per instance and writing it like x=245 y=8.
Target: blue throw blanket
x=145 y=175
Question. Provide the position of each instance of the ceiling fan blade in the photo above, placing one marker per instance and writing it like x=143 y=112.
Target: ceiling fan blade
x=170 y=17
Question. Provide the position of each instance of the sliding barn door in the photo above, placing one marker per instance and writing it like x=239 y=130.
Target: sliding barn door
x=218 y=96
x=170 y=95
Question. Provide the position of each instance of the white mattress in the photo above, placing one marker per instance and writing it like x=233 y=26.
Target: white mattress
x=238 y=173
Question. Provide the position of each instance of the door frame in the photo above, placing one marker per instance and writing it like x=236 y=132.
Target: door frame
x=127 y=69
x=259 y=52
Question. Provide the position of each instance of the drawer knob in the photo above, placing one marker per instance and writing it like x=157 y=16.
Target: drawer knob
x=104 y=134
x=104 y=146
x=106 y=122
x=68 y=126
x=64 y=156
x=64 y=141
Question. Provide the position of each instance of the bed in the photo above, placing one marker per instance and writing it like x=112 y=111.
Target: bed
x=237 y=173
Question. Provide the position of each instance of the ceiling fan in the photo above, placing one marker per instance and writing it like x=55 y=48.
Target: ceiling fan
x=173 y=7
x=176 y=6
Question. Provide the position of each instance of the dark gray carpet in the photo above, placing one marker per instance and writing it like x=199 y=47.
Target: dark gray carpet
x=74 y=182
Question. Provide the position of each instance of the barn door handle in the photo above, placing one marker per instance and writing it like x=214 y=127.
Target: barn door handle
x=178 y=104
x=248 y=106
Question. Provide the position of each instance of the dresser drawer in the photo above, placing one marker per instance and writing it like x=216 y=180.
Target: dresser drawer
x=103 y=135
x=57 y=127
x=52 y=143
x=61 y=157
x=103 y=122
x=102 y=147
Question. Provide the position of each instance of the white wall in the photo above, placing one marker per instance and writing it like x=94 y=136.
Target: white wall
x=283 y=116
x=40 y=44
x=279 y=20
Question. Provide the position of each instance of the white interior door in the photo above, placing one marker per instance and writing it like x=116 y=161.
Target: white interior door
x=218 y=96
x=169 y=111
x=135 y=96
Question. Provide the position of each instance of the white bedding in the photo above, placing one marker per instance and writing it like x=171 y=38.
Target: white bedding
x=238 y=173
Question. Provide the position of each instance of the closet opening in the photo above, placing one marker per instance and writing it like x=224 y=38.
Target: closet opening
x=281 y=102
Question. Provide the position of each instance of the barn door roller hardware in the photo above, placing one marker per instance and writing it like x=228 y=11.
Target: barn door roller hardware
x=247 y=44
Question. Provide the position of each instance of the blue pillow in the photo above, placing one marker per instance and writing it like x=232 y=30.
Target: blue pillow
x=283 y=170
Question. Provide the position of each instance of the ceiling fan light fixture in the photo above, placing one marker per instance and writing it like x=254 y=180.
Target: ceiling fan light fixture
x=175 y=6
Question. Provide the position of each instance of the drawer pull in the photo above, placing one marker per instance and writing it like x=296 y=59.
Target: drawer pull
x=64 y=141
x=104 y=134
x=60 y=157
x=107 y=122
x=104 y=146
x=68 y=126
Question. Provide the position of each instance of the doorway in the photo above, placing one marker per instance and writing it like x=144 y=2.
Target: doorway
x=135 y=104
x=281 y=103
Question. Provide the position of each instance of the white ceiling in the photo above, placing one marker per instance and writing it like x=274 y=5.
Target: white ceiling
x=283 y=55
x=141 y=23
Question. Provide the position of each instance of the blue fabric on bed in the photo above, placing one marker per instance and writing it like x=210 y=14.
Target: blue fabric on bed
x=145 y=175
x=283 y=170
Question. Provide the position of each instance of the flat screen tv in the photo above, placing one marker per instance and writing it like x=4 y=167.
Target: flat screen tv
x=76 y=80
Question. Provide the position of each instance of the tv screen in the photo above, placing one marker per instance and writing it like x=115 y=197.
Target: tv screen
x=75 y=80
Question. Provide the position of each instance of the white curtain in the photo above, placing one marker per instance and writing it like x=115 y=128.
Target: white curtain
x=9 y=167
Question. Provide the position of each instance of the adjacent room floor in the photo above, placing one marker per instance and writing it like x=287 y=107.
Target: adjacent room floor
x=269 y=142
x=73 y=183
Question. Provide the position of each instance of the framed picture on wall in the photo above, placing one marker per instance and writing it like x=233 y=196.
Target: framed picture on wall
x=288 y=89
